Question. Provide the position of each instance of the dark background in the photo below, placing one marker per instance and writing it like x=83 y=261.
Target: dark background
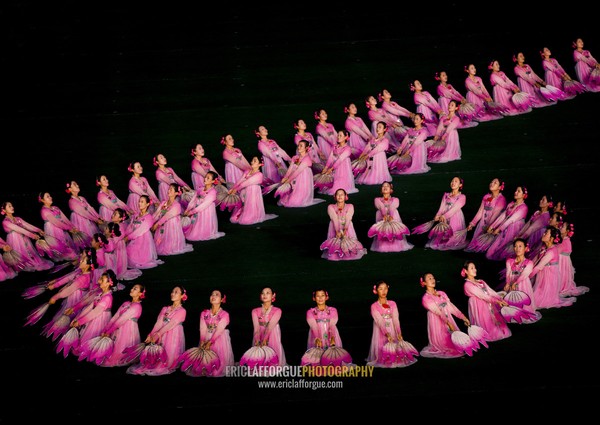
x=90 y=88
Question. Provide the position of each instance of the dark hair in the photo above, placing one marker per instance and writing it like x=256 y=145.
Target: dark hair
x=122 y=213
x=519 y=240
x=91 y=257
x=112 y=276
x=99 y=237
x=555 y=235
x=114 y=228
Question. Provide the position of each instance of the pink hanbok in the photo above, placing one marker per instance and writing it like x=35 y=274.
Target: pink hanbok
x=555 y=75
x=213 y=328
x=94 y=317
x=447 y=130
x=115 y=253
x=139 y=186
x=169 y=333
x=124 y=330
x=431 y=110
x=395 y=110
x=446 y=93
x=19 y=235
x=359 y=134
x=518 y=274
x=275 y=160
x=385 y=322
x=478 y=95
x=395 y=130
x=169 y=238
x=109 y=202
x=199 y=170
x=266 y=327
x=341 y=221
x=6 y=271
x=389 y=208
x=585 y=69
x=253 y=206
x=165 y=177
x=531 y=83
x=568 y=287
x=235 y=165
x=440 y=311
x=504 y=89
x=323 y=325
x=510 y=222
x=489 y=210
x=83 y=216
x=141 y=249
x=484 y=310
x=317 y=156
x=451 y=209
x=547 y=280
x=202 y=210
x=532 y=232
x=343 y=177
x=414 y=143
x=57 y=224
x=377 y=170
x=300 y=176
x=326 y=138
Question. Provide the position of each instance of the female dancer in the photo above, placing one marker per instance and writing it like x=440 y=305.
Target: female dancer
x=440 y=321
x=108 y=200
x=141 y=249
x=568 y=287
x=202 y=211
x=316 y=155
x=386 y=328
x=415 y=145
x=446 y=92
x=507 y=226
x=359 y=132
x=546 y=273
x=326 y=134
x=83 y=216
x=447 y=134
x=322 y=322
x=6 y=271
x=138 y=186
x=116 y=248
x=341 y=243
x=531 y=83
x=377 y=170
x=427 y=105
x=492 y=205
x=275 y=158
x=484 y=304
x=19 y=235
x=169 y=238
x=57 y=224
x=395 y=129
x=300 y=177
x=535 y=227
x=123 y=327
x=587 y=67
x=518 y=269
x=166 y=176
x=265 y=323
x=339 y=163
x=200 y=166
x=393 y=109
x=478 y=95
x=252 y=210
x=236 y=163
x=169 y=334
x=555 y=75
x=505 y=92
x=387 y=212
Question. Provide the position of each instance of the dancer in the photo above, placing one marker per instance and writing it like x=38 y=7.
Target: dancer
x=568 y=287
x=166 y=176
x=339 y=164
x=316 y=155
x=359 y=132
x=58 y=226
x=7 y=271
x=492 y=205
x=108 y=200
x=555 y=75
x=427 y=105
x=478 y=95
x=587 y=67
x=138 y=186
x=116 y=248
x=200 y=166
x=374 y=154
x=169 y=238
x=395 y=130
x=535 y=227
x=236 y=163
x=322 y=322
x=300 y=178
x=446 y=135
x=326 y=133
x=202 y=212
x=388 y=232
x=518 y=270
x=141 y=248
x=531 y=83
x=507 y=93
x=414 y=145
x=446 y=92
x=83 y=216
x=276 y=160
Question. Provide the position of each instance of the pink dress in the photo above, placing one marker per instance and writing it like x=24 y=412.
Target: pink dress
x=389 y=207
x=165 y=177
x=446 y=93
x=555 y=75
x=300 y=176
x=202 y=210
x=326 y=138
x=275 y=160
x=83 y=216
x=343 y=177
x=323 y=325
x=199 y=170
x=169 y=333
x=141 y=249
x=94 y=317
x=518 y=274
x=213 y=328
x=527 y=80
x=108 y=203
x=169 y=238
x=484 y=311
x=585 y=64
x=415 y=143
x=58 y=225
x=532 y=232
x=568 y=287
x=546 y=282
x=395 y=132
x=510 y=222
x=385 y=322
x=395 y=110
x=503 y=90
x=115 y=253
x=316 y=155
x=451 y=208
x=253 y=207
x=19 y=235
x=477 y=94
x=447 y=130
x=489 y=210
x=431 y=110
x=341 y=221
x=377 y=170
x=6 y=271
x=124 y=330
x=359 y=134
x=235 y=164
x=266 y=327
x=439 y=311
x=139 y=186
